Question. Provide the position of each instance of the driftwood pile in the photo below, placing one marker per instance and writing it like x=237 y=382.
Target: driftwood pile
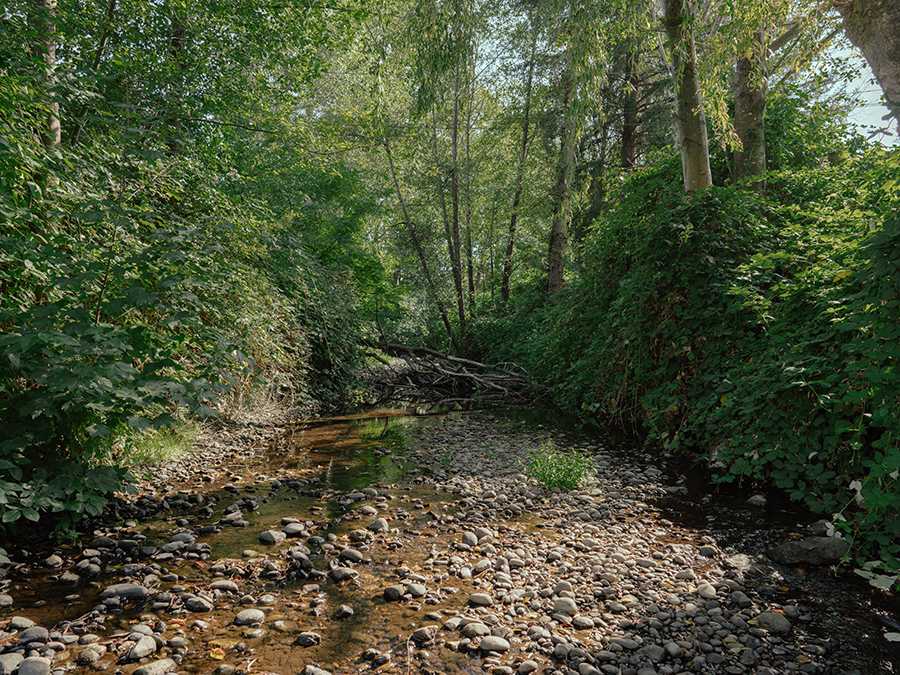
x=426 y=376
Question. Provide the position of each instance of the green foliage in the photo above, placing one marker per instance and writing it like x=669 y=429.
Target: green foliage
x=762 y=333
x=553 y=467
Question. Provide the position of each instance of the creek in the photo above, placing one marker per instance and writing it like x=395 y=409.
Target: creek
x=435 y=479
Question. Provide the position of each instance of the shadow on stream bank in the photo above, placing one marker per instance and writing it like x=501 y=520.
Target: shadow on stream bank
x=391 y=542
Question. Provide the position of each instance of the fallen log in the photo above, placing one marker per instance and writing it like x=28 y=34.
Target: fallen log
x=440 y=379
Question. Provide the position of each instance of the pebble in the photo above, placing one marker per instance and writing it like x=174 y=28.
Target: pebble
x=249 y=617
x=156 y=667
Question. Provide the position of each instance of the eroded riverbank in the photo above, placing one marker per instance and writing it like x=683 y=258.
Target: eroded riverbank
x=404 y=545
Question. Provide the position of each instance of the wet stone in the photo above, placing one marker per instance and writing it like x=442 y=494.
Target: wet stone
x=394 y=593
x=342 y=574
x=130 y=591
x=9 y=662
x=5 y=600
x=226 y=585
x=142 y=648
x=156 y=668
x=249 y=617
x=308 y=639
x=343 y=612
x=34 y=665
x=492 y=643
x=424 y=634
x=481 y=600
x=197 y=604
x=33 y=634
x=272 y=537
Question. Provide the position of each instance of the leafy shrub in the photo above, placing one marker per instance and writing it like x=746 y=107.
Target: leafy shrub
x=553 y=467
x=761 y=332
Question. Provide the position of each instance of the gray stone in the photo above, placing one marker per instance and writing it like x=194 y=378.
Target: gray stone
x=475 y=629
x=343 y=612
x=416 y=590
x=378 y=525
x=774 y=622
x=249 y=617
x=294 y=530
x=156 y=667
x=565 y=605
x=424 y=634
x=90 y=655
x=34 y=665
x=527 y=667
x=142 y=648
x=5 y=600
x=308 y=639
x=393 y=593
x=226 y=585
x=815 y=551
x=351 y=555
x=197 y=604
x=129 y=591
x=9 y=662
x=481 y=600
x=33 y=634
x=342 y=574
x=588 y=669
x=272 y=537
x=492 y=643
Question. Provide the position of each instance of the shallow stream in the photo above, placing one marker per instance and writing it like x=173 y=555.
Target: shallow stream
x=306 y=472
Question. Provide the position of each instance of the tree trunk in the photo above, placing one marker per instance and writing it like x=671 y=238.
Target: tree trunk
x=456 y=256
x=750 y=91
x=470 y=255
x=690 y=120
x=177 y=44
x=520 y=178
x=562 y=193
x=629 y=110
x=872 y=25
x=420 y=252
x=98 y=55
x=43 y=20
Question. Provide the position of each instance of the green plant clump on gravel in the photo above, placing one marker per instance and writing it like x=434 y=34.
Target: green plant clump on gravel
x=553 y=467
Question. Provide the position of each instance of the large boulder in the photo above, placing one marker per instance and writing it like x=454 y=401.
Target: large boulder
x=814 y=551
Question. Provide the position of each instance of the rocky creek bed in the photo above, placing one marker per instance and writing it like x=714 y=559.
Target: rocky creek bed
x=301 y=549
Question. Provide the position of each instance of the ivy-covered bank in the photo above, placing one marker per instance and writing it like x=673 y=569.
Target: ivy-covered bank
x=762 y=334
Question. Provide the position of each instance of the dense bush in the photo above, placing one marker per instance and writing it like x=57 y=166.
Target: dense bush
x=758 y=332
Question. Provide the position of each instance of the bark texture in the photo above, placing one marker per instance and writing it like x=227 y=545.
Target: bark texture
x=630 y=111
x=690 y=120
x=750 y=92
x=43 y=16
x=874 y=27
x=562 y=194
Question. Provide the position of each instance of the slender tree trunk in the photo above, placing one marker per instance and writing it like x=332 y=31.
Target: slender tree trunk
x=177 y=44
x=690 y=120
x=872 y=25
x=562 y=193
x=420 y=252
x=629 y=110
x=750 y=91
x=520 y=178
x=43 y=20
x=456 y=257
x=98 y=55
x=470 y=262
